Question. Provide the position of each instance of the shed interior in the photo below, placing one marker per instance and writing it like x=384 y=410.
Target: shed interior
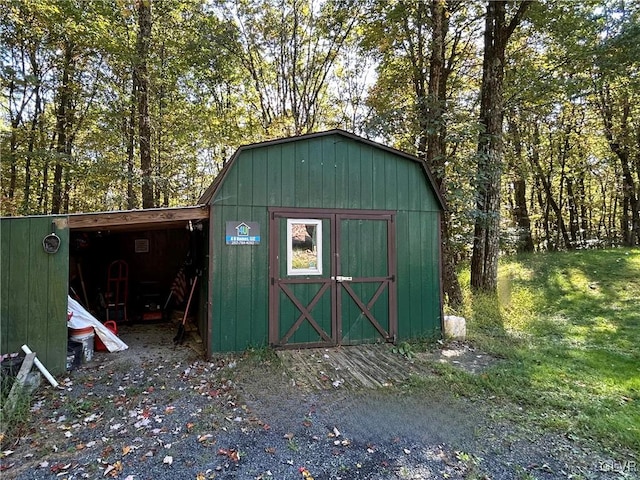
x=134 y=271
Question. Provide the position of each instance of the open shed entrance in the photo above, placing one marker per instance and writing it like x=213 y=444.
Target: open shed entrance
x=138 y=267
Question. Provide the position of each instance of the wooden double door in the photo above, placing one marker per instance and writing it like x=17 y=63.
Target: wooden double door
x=332 y=277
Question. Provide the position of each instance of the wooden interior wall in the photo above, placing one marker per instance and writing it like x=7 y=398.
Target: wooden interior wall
x=33 y=289
x=93 y=251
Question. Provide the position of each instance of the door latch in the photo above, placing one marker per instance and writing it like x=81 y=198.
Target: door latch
x=341 y=278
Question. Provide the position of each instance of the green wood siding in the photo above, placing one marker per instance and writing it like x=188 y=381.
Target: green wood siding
x=239 y=283
x=33 y=286
x=330 y=172
x=360 y=259
x=418 y=278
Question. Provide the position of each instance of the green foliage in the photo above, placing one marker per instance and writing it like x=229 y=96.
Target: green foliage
x=292 y=445
x=264 y=355
x=573 y=68
x=567 y=326
x=16 y=418
x=226 y=73
x=405 y=349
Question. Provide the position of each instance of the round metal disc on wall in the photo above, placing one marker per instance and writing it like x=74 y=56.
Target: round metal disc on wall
x=51 y=243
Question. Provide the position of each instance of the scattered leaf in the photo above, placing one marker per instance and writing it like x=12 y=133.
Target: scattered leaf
x=168 y=460
x=205 y=438
x=59 y=467
x=270 y=450
x=305 y=473
x=107 y=451
x=113 y=470
x=230 y=453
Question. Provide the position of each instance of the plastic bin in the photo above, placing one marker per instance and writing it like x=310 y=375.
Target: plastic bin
x=86 y=337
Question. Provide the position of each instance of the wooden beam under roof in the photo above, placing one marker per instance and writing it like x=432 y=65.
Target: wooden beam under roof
x=148 y=219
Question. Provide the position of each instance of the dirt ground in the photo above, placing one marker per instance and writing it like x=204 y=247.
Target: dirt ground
x=160 y=411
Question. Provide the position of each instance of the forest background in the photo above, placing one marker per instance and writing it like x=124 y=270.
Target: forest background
x=527 y=113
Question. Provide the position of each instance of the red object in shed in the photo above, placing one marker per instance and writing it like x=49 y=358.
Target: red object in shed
x=117 y=291
x=99 y=345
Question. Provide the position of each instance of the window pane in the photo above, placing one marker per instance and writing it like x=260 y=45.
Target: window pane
x=304 y=247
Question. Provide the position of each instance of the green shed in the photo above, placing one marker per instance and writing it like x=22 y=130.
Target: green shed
x=318 y=240
x=321 y=240
x=44 y=258
x=33 y=293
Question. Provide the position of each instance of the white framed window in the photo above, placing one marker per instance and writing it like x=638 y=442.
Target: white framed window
x=304 y=246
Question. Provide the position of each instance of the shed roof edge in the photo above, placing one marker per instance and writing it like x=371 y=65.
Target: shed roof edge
x=215 y=185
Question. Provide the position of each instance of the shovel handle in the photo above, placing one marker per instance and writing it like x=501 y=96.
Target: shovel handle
x=186 y=310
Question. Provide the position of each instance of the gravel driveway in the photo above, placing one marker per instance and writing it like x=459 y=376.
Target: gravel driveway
x=158 y=411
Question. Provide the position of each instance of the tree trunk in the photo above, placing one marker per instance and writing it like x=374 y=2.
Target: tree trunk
x=586 y=224
x=521 y=214
x=631 y=204
x=613 y=213
x=15 y=120
x=13 y=168
x=630 y=218
x=13 y=146
x=35 y=122
x=574 y=226
x=486 y=238
x=543 y=223
x=64 y=123
x=130 y=135
x=436 y=138
x=546 y=184
x=520 y=211
x=43 y=196
x=433 y=123
x=144 y=123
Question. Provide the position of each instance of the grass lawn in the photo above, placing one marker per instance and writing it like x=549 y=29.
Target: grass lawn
x=568 y=328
